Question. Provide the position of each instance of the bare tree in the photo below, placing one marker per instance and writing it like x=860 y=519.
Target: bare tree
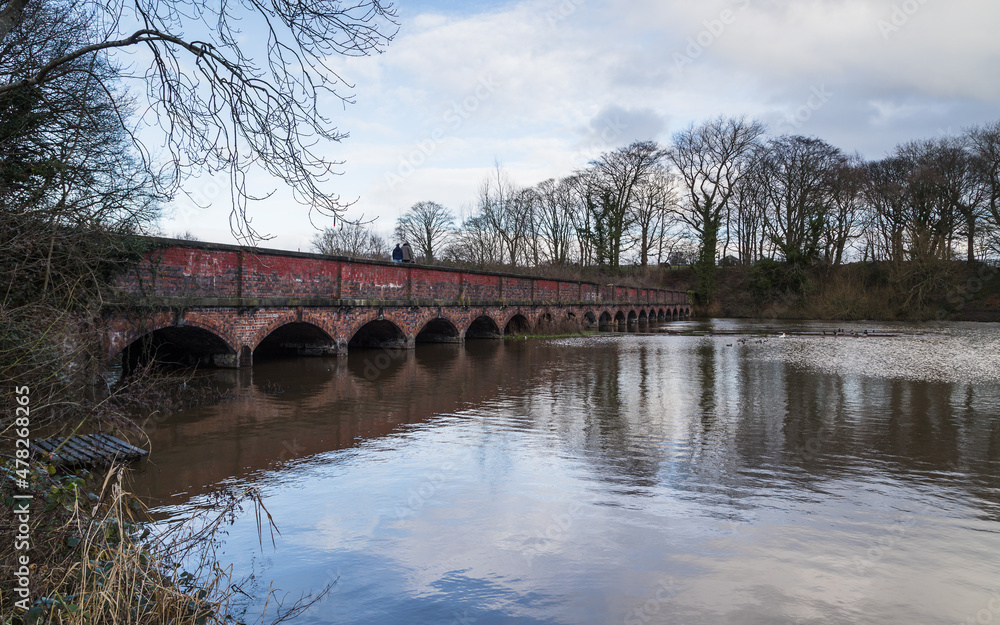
x=555 y=206
x=847 y=181
x=885 y=198
x=985 y=146
x=797 y=176
x=475 y=243
x=429 y=226
x=220 y=110
x=940 y=190
x=711 y=159
x=72 y=194
x=748 y=212
x=351 y=239
x=619 y=175
x=69 y=183
x=586 y=218
x=501 y=210
x=651 y=212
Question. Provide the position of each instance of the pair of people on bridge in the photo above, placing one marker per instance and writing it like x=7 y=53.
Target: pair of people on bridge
x=402 y=254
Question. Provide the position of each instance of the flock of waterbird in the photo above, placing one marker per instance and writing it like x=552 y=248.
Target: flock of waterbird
x=835 y=333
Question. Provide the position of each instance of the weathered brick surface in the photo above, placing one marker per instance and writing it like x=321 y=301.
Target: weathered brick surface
x=243 y=296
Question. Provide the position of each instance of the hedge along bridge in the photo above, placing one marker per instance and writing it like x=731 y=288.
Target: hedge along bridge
x=206 y=303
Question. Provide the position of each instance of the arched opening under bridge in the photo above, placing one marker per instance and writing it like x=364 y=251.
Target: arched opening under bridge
x=607 y=322
x=178 y=346
x=517 y=325
x=483 y=328
x=438 y=330
x=296 y=339
x=378 y=334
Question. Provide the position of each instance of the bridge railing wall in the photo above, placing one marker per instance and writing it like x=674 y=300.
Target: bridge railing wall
x=176 y=270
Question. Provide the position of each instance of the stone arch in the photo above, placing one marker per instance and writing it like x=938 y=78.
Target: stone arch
x=517 y=324
x=589 y=319
x=131 y=330
x=632 y=319
x=438 y=330
x=643 y=318
x=606 y=321
x=352 y=324
x=191 y=344
x=296 y=338
x=483 y=327
x=661 y=315
x=378 y=333
x=620 y=320
x=286 y=317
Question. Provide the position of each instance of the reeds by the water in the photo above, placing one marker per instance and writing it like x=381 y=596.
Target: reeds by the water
x=96 y=559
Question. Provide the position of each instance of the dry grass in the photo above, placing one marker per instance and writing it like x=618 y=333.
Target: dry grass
x=97 y=561
x=909 y=291
x=564 y=326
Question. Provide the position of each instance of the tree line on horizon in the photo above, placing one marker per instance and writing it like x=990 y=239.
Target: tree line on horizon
x=723 y=192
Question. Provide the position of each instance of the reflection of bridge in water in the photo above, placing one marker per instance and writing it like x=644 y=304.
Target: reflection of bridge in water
x=639 y=411
x=221 y=304
x=285 y=410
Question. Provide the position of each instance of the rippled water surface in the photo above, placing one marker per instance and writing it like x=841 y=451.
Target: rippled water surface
x=620 y=478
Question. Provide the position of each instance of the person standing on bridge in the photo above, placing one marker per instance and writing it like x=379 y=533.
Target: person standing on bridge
x=397 y=254
x=407 y=253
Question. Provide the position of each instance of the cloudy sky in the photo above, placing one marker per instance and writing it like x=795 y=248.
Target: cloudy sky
x=543 y=86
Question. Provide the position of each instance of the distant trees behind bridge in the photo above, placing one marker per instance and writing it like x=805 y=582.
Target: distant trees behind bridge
x=725 y=192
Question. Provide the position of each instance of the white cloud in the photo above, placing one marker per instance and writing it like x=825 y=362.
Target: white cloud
x=561 y=69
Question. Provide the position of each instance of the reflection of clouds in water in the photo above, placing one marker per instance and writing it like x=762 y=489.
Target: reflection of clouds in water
x=804 y=479
x=963 y=355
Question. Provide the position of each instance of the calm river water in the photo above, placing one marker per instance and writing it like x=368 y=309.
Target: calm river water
x=626 y=478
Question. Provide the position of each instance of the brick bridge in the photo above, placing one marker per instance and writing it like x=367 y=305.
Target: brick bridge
x=220 y=304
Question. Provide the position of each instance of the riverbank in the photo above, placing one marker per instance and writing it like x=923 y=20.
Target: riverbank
x=939 y=291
